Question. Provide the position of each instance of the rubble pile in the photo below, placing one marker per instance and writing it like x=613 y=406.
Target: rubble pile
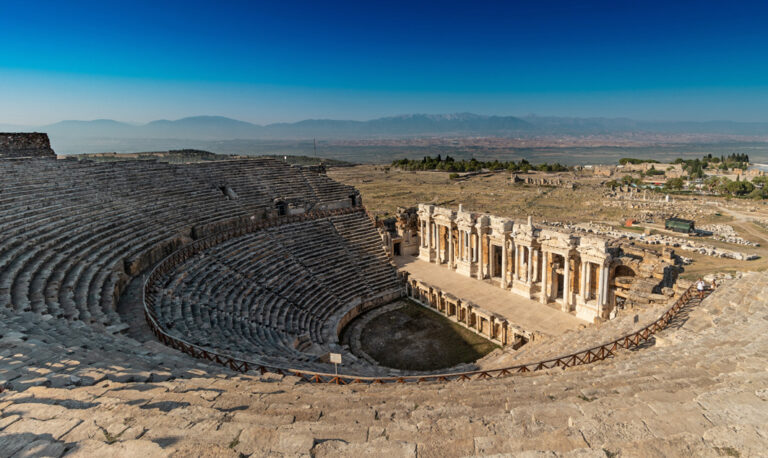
x=658 y=210
x=726 y=233
x=659 y=239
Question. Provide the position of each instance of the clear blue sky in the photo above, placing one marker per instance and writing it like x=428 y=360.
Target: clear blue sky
x=284 y=61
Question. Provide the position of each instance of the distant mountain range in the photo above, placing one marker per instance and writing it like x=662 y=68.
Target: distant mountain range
x=212 y=128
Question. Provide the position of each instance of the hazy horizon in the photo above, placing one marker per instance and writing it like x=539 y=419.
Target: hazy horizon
x=386 y=116
x=272 y=63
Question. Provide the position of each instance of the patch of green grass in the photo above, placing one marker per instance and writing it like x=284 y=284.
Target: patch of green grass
x=235 y=441
x=633 y=228
x=414 y=338
x=109 y=438
x=727 y=451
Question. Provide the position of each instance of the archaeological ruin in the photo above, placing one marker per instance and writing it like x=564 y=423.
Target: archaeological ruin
x=162 y=308
x=588 y=274
x=25 y=145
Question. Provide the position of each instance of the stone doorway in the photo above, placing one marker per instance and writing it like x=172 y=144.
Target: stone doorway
x=558 y=276
x=496 y=254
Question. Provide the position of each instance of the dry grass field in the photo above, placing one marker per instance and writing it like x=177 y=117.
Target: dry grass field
x=385 y=188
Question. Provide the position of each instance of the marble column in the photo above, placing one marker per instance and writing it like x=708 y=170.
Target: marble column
x=483 y=261
x=530 y=265
x=567 y=285
x=603 y=290
x=544 y=268
x=503 y=263
x=600 y=285
x=440 y=244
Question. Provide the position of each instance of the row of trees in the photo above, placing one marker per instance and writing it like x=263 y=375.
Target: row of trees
x=632 y=160
x=449 y=164
x=757 y=189
x=695 y=167
x=626 y=180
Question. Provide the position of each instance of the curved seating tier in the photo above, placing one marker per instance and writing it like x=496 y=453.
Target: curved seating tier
x=75 y=232
x=276 y=295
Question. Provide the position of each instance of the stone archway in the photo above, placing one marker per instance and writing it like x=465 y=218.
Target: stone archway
x=623 y=271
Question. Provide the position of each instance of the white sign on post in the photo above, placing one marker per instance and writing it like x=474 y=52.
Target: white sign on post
x=336 y=360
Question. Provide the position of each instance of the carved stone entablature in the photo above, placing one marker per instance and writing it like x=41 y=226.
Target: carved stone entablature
x=501 y=225
x=594 y=249
x=556 y=242
x=483 y=223
x=526 y=237
x=426 y=210
x=465 y=220
x=590 y=274
x=444 y=216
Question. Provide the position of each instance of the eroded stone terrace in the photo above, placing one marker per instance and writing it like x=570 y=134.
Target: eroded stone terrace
x=279 y=296
x=74 y=233
x=700 y=389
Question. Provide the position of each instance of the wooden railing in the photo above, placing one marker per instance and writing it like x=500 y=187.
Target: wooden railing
x=579 y=358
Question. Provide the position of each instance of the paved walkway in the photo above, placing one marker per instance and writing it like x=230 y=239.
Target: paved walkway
x=529 y=315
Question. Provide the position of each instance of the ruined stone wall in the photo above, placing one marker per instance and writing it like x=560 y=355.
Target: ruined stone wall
x=543 y=180
x=25 y=145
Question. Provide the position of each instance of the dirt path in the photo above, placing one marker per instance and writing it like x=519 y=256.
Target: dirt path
x=743 y=222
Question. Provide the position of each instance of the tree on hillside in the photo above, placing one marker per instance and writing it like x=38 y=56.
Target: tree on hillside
x=675 y=184
x=739 y=188
x=760 y=181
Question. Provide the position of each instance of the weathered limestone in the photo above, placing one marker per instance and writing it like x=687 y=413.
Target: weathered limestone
x=577 y=271
x=74 y=232
x=279 y=296
x=400 y=233
x=697 y=389
x=544 y=180
x=486 y=323
x=25 y=145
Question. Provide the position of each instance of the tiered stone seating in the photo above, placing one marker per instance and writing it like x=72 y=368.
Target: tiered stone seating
x=698 y=390
x=261 y=296
x=74 y=232
x=365 y=248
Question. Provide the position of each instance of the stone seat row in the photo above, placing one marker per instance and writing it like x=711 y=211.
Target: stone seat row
x=74 y=232
x=199 y=282
x=256 y=296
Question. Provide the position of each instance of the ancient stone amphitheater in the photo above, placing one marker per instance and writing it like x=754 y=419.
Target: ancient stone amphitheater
x=160 y=309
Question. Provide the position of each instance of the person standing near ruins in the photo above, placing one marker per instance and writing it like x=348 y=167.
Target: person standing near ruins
x=700 y=285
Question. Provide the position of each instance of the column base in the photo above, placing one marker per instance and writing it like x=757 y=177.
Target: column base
x=521 y=288
x=425 y=254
